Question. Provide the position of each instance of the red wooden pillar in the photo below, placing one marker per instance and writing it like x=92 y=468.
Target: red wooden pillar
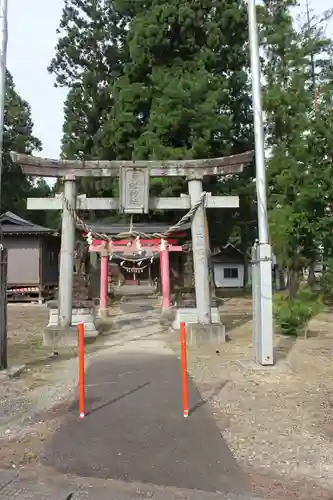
x=165 y=274
x=103 y=302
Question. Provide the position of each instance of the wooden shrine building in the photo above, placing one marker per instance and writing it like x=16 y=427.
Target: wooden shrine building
x=33 y=258
x=148 y=273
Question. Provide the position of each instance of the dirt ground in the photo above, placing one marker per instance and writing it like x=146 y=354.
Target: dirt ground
x=25 y=325
x=29 y=404
x=278 y=421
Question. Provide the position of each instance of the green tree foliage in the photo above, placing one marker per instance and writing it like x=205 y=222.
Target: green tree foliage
x=166 y=80
x=158 y=79
x=90 y=38
x=297 y=205
x=292 y=316
x=88 y=59
x=319 y=195
x=184 y=91
x=172 y=100
x=326 y=284
x=18 y=136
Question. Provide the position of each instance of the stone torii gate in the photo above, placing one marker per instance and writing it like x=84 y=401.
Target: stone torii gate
x=134 y=199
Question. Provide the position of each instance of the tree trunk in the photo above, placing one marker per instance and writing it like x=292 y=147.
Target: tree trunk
x=244 y=245
x=311 y=276
x=292 y=283
x=282 y=279
x=246 y=269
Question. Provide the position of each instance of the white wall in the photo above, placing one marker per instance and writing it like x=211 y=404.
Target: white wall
x=222 y=282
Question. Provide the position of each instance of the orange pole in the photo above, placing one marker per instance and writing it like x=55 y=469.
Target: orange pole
x=184 y=368
x=81 y=368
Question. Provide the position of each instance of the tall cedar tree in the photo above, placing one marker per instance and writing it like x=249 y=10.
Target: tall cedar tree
x=88 y=59
x=184 y=90
x=178 y=80
x=295 y=201
x=18 y=136
x=181 y=94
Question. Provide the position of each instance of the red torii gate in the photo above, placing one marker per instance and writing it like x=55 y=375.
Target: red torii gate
x=152 y=245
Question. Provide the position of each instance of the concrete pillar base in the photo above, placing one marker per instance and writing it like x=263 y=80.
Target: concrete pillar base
x=168 y=315
x=65 y=336
x=103 y=313
x=201 y=334
x=82 y=312
x=79 y=315
x=190 y=315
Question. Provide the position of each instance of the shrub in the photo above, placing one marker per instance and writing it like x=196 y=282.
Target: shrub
x=292 y=316
x=307 y=295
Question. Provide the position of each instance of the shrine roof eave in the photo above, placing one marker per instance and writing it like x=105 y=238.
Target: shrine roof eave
x=48 y=167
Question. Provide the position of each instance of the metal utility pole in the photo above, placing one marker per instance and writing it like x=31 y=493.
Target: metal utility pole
x=262 y=256
x=3 y=251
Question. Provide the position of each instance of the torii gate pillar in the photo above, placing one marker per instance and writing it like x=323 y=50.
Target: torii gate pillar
x=104 y=284
x=200 y=255
x=165 y=275
x=67 y=255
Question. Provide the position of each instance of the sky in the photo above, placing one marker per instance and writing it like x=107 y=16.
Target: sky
x=32 y=26
x=32 y=37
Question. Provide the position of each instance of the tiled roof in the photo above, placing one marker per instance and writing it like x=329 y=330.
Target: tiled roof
x=11 y=223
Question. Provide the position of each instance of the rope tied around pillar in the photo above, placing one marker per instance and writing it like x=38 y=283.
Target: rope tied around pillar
x=91 y=234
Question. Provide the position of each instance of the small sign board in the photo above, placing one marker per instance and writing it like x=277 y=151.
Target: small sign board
x=134 y=190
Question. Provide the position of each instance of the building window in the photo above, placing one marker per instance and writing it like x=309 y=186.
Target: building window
x=231 y=273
